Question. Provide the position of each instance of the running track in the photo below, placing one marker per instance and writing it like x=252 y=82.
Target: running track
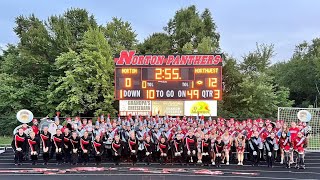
x=154 y=171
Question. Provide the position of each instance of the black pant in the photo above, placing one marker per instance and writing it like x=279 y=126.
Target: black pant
x=133 y=158
x=18 y=157
x=256 y=158
x=85 y=157
x=74 y=158
x=116 y=159
x=141 y=155
x=59 y=157
x=206 y=159
x=67 y=155
x=147 y=159
x=270 y=159
x=97 y=159
x=34 y=159
x=45 y=157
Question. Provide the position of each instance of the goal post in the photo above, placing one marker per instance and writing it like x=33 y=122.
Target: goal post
x=290 y=114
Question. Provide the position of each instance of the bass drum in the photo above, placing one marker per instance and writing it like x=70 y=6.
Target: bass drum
x=27 y=131
x=44 y=123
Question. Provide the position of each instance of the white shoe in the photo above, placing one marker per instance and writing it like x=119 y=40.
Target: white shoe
x=281 y=162
x=227 y=163
x=239 y=163
x=213 y=163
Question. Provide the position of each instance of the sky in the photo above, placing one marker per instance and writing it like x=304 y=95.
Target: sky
x=241 y=23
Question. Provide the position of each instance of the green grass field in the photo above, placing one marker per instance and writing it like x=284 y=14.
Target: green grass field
x=5 y=140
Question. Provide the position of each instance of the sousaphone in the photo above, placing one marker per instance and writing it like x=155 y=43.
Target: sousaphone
x=304 y=116
x=24 y=116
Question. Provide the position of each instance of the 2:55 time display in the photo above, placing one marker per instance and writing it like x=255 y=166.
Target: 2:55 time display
x=167 y=74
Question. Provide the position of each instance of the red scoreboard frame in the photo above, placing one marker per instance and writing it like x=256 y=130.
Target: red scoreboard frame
x=167 y=77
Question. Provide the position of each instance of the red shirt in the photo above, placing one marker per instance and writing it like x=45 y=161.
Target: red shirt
x=35 y=129
x=293 y=133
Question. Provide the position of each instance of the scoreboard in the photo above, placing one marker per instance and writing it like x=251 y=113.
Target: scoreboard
x=168 y=77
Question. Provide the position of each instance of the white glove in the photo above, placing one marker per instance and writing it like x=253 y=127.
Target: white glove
x=57 y=150
x=147 y=153
x=116 y=154
x=45 y=149
x=98 y=153
x=177 y=154
x=133 y=151
x=194 y=152
x=60 y=150
x=218 y=154
x=189 y=152
x=269 y=154
x=74 y=150
x=85 y=151
x=35 y=153
x=66 y=146
x=255 y=153
x=19 y=149
x=164 y=154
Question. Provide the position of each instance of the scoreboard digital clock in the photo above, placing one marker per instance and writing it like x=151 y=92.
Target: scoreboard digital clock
x=167 y=77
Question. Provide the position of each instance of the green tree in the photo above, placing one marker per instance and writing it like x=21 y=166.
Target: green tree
x=205 y=46
x=188 y=48
x=157 y=43
x=120 y=35
x=87 y=84
x=259 y=60
x=188 y=25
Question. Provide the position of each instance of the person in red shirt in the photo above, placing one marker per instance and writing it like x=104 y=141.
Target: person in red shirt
x=299 y=145
x=293 y=134
x=35 y=128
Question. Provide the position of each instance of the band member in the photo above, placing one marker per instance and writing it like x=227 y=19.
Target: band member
x=285 y=147
x=177 y=148
x=227 y=139
x=58 y=143
x=75 y=144
x=46 y=144
x=255 y=145
x=218 y=150
x=240 y=143
x=133 y=147
x=139 y=135
x=18 y=145
x=34 y=127
x=116 y=149
x=34 y=145
x=149 y=147
x=67 y=146
x=98 y=149
x=163 y=148
x=191 y=146
x=206 y=149
x=293 y=134
x=271 y=147
x=299 y=145
x=85 y=144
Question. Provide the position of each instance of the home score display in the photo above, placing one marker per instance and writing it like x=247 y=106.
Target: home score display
x=164 y=77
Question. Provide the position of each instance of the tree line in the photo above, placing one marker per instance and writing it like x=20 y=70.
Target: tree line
x=65 y=63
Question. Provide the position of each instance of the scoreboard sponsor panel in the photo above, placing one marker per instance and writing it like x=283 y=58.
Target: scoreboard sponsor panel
x=171 y=108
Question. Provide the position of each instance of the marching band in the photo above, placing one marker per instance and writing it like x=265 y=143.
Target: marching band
x=164 y=140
